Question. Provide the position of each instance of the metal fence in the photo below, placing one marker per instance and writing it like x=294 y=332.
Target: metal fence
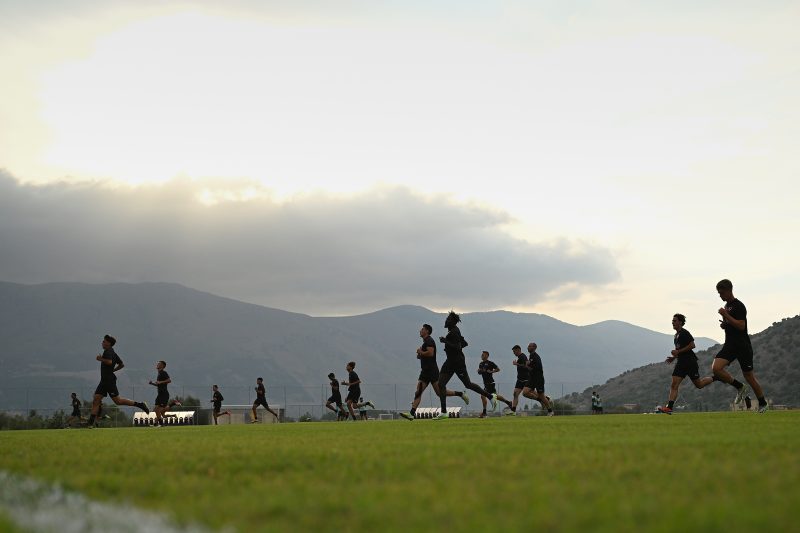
x=296 y=401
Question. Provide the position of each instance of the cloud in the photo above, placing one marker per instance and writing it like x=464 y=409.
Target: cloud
x=315 y=253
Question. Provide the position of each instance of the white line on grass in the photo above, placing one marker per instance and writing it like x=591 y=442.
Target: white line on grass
x=37 y=506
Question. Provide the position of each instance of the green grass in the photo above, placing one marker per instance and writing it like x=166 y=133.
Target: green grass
x=711 y=472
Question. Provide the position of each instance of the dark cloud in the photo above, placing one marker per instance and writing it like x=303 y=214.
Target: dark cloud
x=316 y=254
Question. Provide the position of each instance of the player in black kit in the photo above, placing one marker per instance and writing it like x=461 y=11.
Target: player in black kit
x=429 y=372
x=353 y=384
x=487 y=369
x=162 y=396
x=521 y=362
x=76 y=411
x=534 y=388
x=737 y=346
x=110 y=363
x=455 y=363
x=261 y=399
x=216 y=401
x=334 y=403
x=686 y=365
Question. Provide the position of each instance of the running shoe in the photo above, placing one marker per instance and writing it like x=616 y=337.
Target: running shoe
x=508 y=412
x=747 y=402
x=407 y=416
x=145 y=408
x=372 y=405
x=740 y=394
x=664 y=410
x=441 y=416
x=763 y=408
x=465 y=398
x=482 y=415
x=551 y=413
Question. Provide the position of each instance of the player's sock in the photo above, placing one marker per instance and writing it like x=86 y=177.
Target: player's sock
x=670 y=403
x=91 y=420
x=413 y=411
x=737 y=384
x=483 y=412
x=762 y=401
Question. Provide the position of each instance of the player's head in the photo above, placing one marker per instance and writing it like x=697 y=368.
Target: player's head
x=108 y=339
x=425 y=331
x=532 y=347
x=351 y=365
x=484 y=355
x=725 y=289
x=516 y=349
x=161 y=365
x=678 y=320
x=259 y=380
x=74 y=395
x=452 y=319
x=331 y=376
x=214 y=387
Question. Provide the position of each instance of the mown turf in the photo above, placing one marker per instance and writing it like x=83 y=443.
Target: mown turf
x=710 y=472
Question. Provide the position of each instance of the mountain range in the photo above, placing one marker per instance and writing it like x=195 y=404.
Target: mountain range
x=51 y=333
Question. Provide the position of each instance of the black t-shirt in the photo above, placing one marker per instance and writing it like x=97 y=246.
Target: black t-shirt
x=454 y=345
x=76 y=404
x=107 y=371
x=734 y=335
x=334 y=386
x=535 y=365
x=522 y=367
x=485 y=369
x=428 y=363
x=684 y=338
x=217 y=399
x=351 y=378
x=261 y=391
x=162 y=387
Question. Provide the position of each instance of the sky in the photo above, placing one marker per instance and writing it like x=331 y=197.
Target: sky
x=588 y=160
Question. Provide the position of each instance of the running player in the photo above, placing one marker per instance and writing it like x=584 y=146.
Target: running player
x=162 y=396
x=534 y=388
x=110 y=364
x=261 y=399
x=353 y=390
x=455 y=363
x=737 y=346
x=521 y=362
x=334 y=403
x=487 y=369
x=429 y=372
x=686 y=365
x=76 y=411
x=216 y=401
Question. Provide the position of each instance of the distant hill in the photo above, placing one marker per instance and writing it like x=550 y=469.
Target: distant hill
x=50 y=334
x=776 y=366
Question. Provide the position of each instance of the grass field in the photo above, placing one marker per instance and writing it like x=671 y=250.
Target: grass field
x=710 y=472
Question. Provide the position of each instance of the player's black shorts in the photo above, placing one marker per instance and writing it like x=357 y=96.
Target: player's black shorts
x=491 y=388
x=335 y=398
x=260 y=400
x=521 y=384
x=742 y=352
x=162 y=400
x=450 y=368
x=354 y=394
x=107 y=388
x=687 y=366
x=537 y=383
x=217 y=407
x=429 y=375
x=76 y=412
